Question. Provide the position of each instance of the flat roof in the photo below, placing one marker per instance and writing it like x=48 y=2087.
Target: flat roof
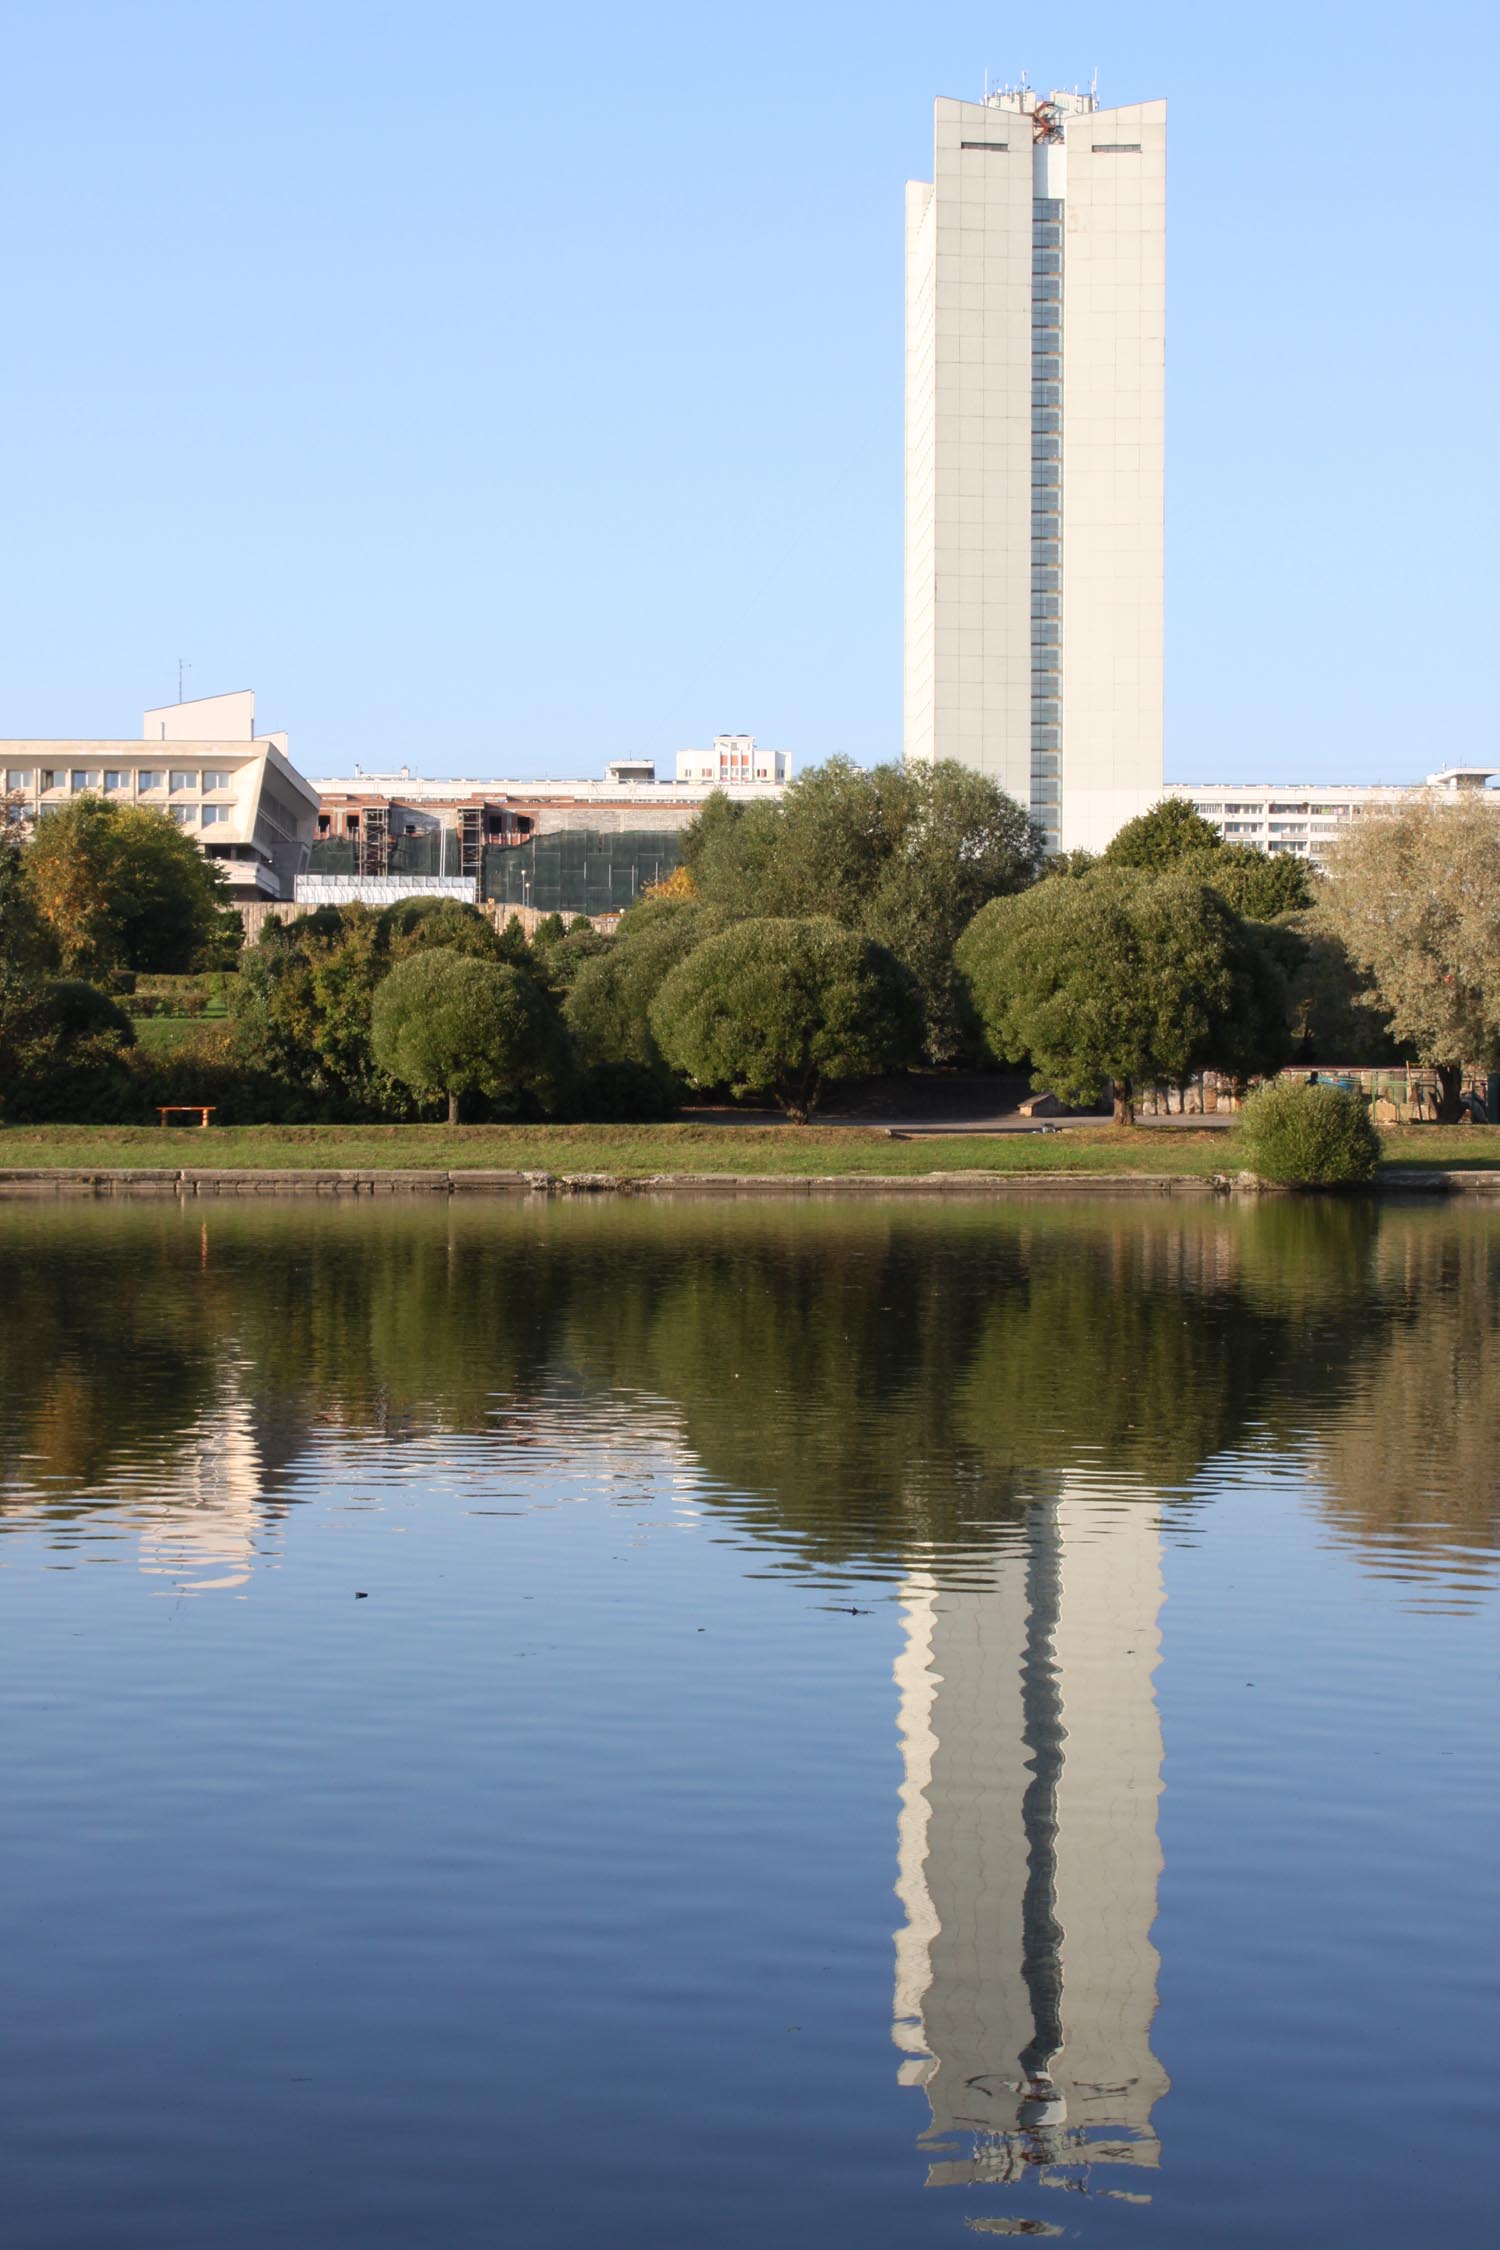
x=414 y=785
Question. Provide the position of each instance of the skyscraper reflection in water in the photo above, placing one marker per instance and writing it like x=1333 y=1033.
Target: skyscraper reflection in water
x=1028 y=1856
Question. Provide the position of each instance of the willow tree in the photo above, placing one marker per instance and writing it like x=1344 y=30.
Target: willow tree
x=447 y=1024
x=786 y=1007
x=1124 y=979
x=1412 y=895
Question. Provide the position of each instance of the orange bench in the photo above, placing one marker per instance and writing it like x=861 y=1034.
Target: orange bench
x=203 y=1111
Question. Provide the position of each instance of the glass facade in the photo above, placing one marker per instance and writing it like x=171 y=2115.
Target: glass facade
x=1046 y=517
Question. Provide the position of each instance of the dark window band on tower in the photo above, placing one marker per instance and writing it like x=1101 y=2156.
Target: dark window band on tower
x=999 y=147
x=1046 y=516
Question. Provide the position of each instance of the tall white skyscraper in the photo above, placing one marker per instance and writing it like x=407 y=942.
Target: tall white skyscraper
x=1035 y=329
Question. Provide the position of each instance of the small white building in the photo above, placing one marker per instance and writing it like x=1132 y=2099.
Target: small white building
x=733 y=760
x=1302 y=819
x=235 y=792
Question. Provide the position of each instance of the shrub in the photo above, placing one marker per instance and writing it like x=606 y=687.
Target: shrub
x=785 y=1007
x=63 y=1045
x=1308 y=1136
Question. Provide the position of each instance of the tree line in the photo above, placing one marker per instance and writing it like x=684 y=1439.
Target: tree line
x=872 y=919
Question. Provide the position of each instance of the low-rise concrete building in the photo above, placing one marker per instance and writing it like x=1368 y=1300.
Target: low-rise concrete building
x=236 y=793
x=584 y=846
x=1303 y=819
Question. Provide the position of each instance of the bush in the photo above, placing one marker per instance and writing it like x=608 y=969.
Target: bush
x=1308 y=1136
x=63 y=1048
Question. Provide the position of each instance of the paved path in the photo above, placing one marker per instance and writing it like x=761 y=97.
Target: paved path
x=932 y=1103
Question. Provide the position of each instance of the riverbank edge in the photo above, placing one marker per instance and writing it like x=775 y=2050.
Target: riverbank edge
x=197 y=1180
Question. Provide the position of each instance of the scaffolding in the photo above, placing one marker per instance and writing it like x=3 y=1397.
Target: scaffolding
x=375 y=840
x=470 y=839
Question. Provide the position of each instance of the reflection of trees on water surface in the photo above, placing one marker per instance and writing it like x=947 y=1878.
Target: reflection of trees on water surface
x=858 y=1380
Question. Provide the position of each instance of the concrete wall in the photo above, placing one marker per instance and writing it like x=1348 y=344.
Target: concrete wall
x=208 y=718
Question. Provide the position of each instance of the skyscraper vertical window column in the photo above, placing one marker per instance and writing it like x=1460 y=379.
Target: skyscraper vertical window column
x=1046 y=523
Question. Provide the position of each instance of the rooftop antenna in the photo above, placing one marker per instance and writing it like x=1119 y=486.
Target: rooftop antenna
x=182 y=666
x=1094 y=87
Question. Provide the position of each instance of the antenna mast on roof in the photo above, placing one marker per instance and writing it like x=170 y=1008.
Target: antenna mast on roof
x=182 y=666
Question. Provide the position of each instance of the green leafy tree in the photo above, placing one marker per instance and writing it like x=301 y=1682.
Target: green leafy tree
x=1121 y=977
x=62 y=1049
x=22 y=944
x=1254 y=883
x=608 y=1009
x=730 y=853
x=418 y=925
x=1411 y=895
x=1070 y=864
x=785 y=1007
x=1252 y=1037
x=562 y=964
x=1171 y=835
x=903 y=854
x=1333 y=1014
x=302 y=1013
x=445 y=1023
x=1158 y=839
x=121 y=886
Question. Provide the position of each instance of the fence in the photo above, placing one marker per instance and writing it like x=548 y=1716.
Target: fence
x=1403 y=1095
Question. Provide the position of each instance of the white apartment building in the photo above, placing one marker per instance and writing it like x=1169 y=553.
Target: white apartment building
x=1303 y=819
x=1035 y=337
x=236 y=793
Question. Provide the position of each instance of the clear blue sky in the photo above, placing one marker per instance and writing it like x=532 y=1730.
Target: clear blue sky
x=501 y=389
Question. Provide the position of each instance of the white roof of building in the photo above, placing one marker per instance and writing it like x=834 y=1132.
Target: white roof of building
x=410 y=788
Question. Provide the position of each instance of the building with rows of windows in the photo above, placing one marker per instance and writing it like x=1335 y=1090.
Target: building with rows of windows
x=1303 y=819
x=1035 y=356
x=236 y=793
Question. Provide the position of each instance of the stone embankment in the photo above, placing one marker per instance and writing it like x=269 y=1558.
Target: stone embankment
x=190 y=1181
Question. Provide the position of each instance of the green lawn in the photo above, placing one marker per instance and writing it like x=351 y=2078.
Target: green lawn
x=162 y=1033
x=638 y=1150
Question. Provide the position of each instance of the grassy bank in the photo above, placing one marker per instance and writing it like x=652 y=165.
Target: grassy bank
x=639 y=1150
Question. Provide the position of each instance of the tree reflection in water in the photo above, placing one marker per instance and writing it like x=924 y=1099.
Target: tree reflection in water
x=860 y=1386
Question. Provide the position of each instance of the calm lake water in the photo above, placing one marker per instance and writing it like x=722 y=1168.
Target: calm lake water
x=867 y=1723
